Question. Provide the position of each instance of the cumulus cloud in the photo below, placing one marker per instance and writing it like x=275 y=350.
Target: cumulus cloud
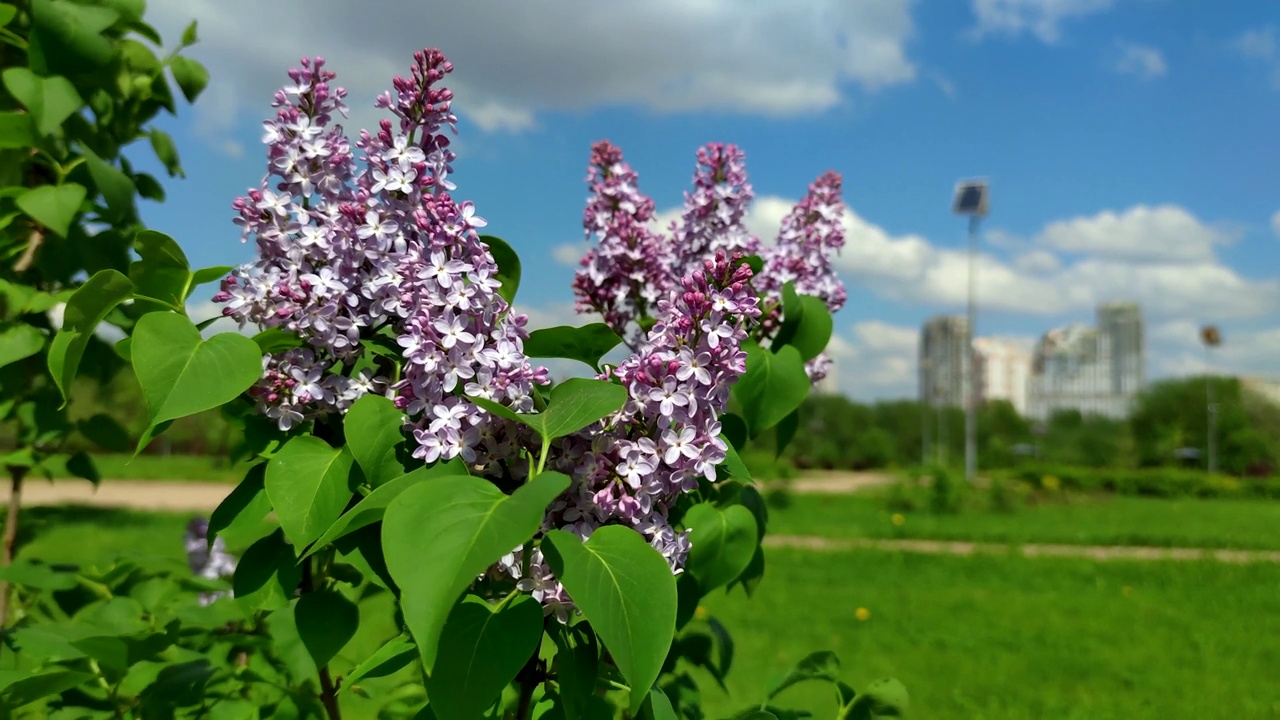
x=516 y=60
x=1041 y=18
x=1143 y=61
x=1174 y=348
x=1164 y=233
x=1275 y=223
x=568 y=254
x=878 y=360
x=1260 y=46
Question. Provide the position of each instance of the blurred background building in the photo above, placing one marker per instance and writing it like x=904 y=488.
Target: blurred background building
x=1004 y=369
x=1095 y=370
x=942 y=346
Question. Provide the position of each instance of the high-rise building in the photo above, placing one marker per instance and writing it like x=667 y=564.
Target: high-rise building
x=943 y=343
x=1095 y=370
x=1004 y=369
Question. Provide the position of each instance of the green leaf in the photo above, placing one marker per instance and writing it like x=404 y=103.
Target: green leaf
x=16 y=129
x=53 y=206
x=166 y=152
x=626 y=591
x=115 y=187
x=373 y=507
x=105 y=432
x=182 y=374
x=7 y=14
x=658 y=707
x=734 y=429
x=70 y=34
x=244 y=506
x=587 y=344
x=733 y=465
x=189 y=35
x=326 y=621
x=374 y=428
x=33 y=687
x=577 y=664
x=573 y=405
x=774 y=385
x=822 y=665
x=722 y=543
x=755 y=262
x=50 y=100
x=274 y=340
x=149 y=187
x=190 y=75
x=163 y=271
x=508 y=266
x=751 y=577
x=85 y=310
x=882 y=698
x=481 y=650
x=19 y=341
x=267 y=575
x=395 y=654
x=785 y=432
x=82 y=466
x=464 y=525
x=806 y=324
x=37 y=575
x=309 y=484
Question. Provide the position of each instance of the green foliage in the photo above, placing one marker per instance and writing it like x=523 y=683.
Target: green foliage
x=587 y=344
x=508 y=266
x=774 y=385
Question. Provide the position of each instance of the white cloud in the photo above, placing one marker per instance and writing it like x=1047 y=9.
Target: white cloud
x=1259 y=43
x=569 y=253
x=1042 y=18
x=1174 y=348
x=515 y=60
x=1165 y=233
x=879 y=361
x=1275 y=223
x=1037 y=262
x=1143 y=61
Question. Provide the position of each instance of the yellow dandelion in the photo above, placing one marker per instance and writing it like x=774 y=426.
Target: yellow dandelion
x=863 y=613
x=898 y=519
x=700 y=612
x=1050 y=482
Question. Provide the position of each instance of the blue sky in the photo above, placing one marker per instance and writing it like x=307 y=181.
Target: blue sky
x=1131 y=146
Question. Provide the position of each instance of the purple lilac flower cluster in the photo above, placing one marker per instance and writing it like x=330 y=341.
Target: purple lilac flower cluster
x=623 y=277
x=208 y=562
x=715 y=211
x=630 y=468
x=811 y=233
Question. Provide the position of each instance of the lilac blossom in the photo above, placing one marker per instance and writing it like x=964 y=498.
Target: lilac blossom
x=623 y=277
x=811 y=233
x=715 y=211
x=630 y=468
x=211 y=562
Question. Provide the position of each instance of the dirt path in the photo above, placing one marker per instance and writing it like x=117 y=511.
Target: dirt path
x=1092 y=552
x=193 y=497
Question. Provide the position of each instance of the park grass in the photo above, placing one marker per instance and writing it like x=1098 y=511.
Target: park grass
x=1009 y=637
x=1068 y=518
x=989 y=636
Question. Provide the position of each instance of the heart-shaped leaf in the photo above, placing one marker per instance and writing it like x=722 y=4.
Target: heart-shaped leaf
x=19 y=341
x=481 y=650
x=246 y=504
x=104 y=431
x=267 y=575
x=50 y=100
x=182 y=374
x=163 y=272
x=326 y=622
x=806 y=323
x=113 y=185
x=573 y=405
x=626 y=591
x=84 y=311
x=822 y=665
x=17 y=129
x=274 y=340
x=774 y=385
x=508 y=266
x=190 y=75
x=577 y=664
x=374 y=429
x=395 y=654
x=309 y=484
x=464 y=525
x=587 y=344
x=374 y=506
x=70 y=34
x=53 y=206
x=722 y=542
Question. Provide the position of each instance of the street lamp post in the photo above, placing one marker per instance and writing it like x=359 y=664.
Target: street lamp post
x=971 y=200
x=1212 y=338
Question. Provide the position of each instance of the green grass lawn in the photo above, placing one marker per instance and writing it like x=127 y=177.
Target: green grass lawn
x=1073 y=518
x=997 y=637
x=1007 y=637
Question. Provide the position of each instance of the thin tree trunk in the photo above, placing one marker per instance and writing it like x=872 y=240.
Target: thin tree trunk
x=16 y=475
